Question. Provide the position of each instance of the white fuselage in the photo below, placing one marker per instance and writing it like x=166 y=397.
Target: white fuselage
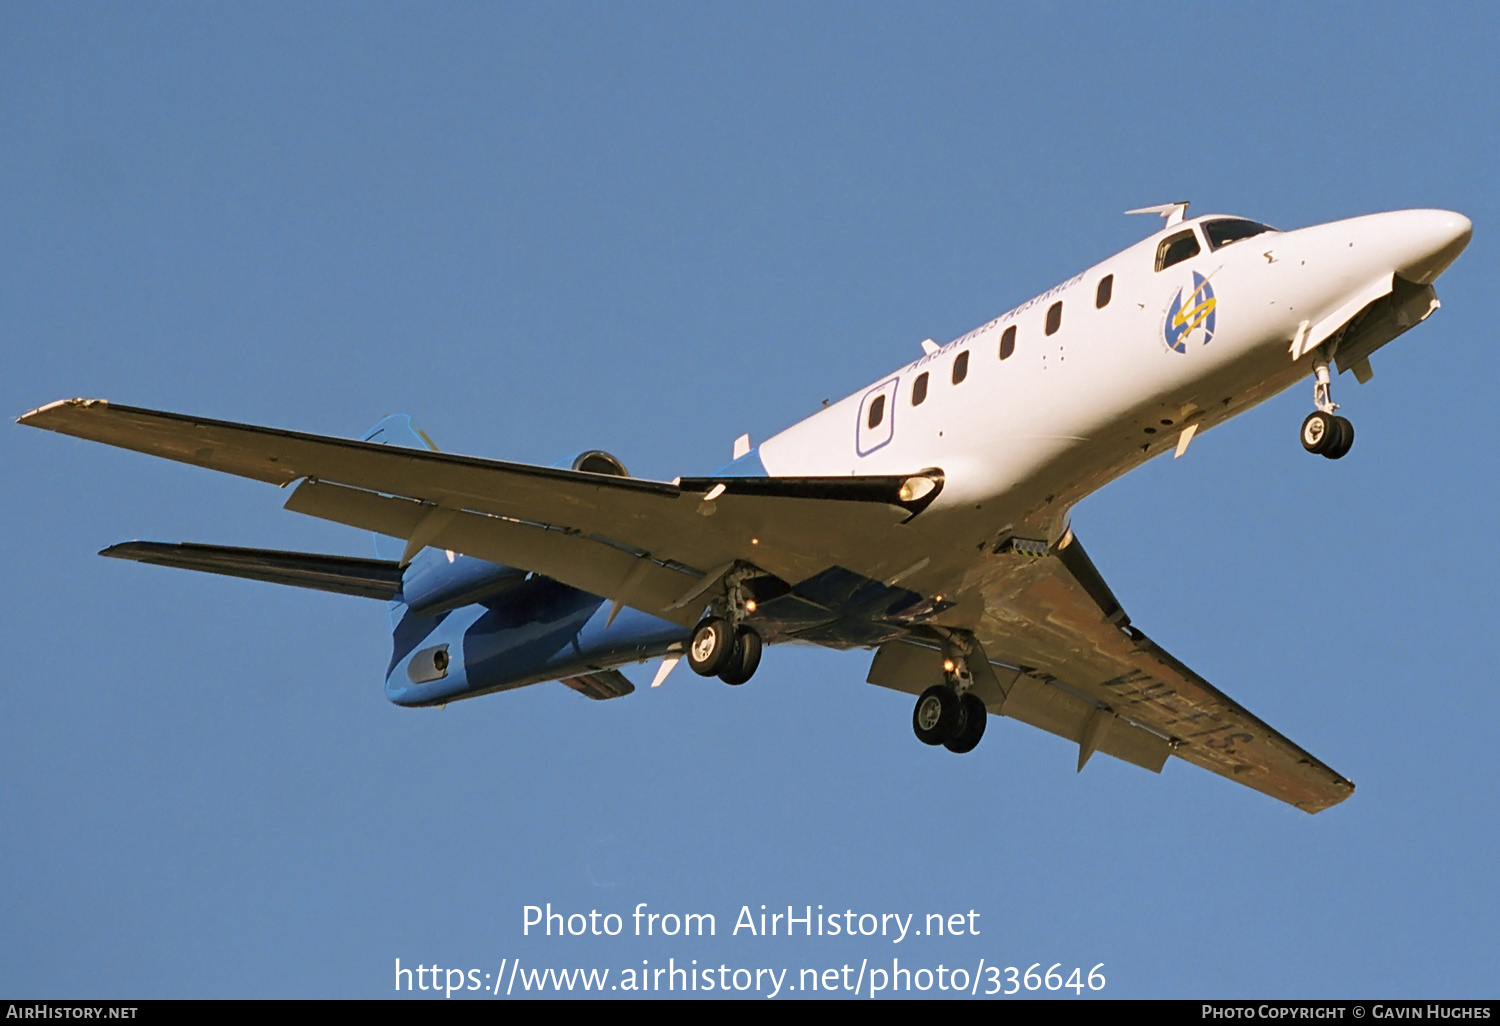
x=1021 y=439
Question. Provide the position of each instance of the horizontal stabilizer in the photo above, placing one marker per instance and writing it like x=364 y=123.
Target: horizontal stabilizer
x=346 y=575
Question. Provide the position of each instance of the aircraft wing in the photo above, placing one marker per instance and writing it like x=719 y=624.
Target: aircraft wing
x=1084 y=666
x=650 y=544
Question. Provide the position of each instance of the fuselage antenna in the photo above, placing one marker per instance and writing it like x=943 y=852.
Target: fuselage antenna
x=1173 y=212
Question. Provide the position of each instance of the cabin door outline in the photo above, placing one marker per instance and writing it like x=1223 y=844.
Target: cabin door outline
x=868 y=438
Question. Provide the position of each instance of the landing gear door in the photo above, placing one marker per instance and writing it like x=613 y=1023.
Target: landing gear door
x=877 y=418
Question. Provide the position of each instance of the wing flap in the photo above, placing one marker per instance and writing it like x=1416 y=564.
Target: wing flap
x=1092 y=728
x=344 y=575
x=590 y=565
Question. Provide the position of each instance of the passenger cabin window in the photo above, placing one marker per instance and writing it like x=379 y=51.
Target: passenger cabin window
x=1008 y=342
x=919 y=389
x=1105 y=291
x=877 y=413
x=1174 y=249
x=1054 y=318
x=1232 y=229
x=961 y=366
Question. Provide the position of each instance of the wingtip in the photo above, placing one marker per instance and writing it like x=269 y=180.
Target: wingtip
x=32 y=415
x=1342 y=783
x=136 y=551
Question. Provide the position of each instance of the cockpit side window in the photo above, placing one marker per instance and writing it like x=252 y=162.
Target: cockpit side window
x=1232 y=229
x=1174 y=249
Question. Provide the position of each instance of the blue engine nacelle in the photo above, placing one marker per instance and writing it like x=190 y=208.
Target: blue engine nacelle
x=595 y=461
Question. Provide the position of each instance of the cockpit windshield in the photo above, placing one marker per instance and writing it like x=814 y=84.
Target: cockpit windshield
x=1232 y=229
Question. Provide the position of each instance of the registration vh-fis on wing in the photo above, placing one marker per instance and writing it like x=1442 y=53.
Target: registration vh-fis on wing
x=925 y=517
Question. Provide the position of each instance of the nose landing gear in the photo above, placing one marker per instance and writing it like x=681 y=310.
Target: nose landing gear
x=1327 y=435
x=1323 y=433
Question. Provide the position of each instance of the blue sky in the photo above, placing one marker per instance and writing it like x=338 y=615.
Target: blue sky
x=650 y=228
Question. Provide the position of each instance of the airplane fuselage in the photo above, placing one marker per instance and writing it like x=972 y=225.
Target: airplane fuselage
x=926 y=516
x=1020 y=440
x=1024 y=416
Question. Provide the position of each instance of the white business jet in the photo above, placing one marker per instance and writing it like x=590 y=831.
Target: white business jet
x=925 y=517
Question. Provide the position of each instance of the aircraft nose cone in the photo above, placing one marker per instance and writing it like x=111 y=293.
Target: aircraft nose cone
x=1431 y=240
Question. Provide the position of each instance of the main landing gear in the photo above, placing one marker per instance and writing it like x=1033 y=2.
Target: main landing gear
x=949 y=714
x=719 y=649
x=1323 y=433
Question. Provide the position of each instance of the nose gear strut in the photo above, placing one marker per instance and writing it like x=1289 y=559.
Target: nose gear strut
x=1322 y=383
x=1324 y=433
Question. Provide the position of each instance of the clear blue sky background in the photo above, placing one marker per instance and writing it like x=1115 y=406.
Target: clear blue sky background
x=650 y=228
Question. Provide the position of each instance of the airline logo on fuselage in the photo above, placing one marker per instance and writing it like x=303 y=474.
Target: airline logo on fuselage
x=1190 y=318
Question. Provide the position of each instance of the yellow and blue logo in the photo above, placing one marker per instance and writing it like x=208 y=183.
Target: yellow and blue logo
x=1189 y=318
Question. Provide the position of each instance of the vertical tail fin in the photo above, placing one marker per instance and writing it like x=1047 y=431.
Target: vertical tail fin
x=397 y=429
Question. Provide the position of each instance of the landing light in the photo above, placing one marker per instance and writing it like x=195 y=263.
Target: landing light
x=914 y=488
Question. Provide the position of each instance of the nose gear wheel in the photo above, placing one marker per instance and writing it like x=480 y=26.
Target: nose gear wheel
x=1323 y=432
x=1327 y=435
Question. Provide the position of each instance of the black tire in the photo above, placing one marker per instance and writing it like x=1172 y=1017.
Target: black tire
x=1320 y=432
x=938 y=715
x=746 y=657
x=711 y=646
x=975 y=716
x=1345 y=441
